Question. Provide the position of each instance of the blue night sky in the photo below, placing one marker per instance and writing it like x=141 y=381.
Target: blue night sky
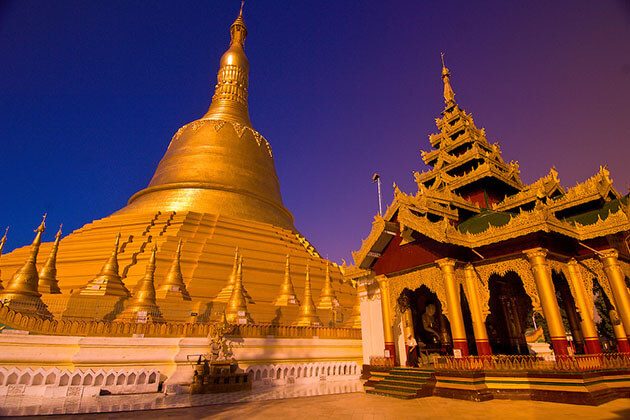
x=91 y=93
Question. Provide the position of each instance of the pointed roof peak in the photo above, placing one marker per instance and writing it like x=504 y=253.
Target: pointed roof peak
x=449 y=94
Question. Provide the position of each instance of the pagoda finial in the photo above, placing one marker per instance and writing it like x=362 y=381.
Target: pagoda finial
x=308 y=311
x=236 y=310
x=287 y=291
x=327 y=298
x=174 y=282
x=4 y=239
x=230 y=94
x=142 y=306
x=2 y=242
x=48 y=275
x=449 y=94
x=108 y=281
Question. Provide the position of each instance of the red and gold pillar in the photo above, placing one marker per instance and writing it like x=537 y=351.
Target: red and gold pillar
x=587 y=324
x=479 y=326
x=386 y=308
x=617 y=282
x=544 y=284
x=458 y=332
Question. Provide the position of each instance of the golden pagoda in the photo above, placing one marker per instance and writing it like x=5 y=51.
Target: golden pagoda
x=142 y=307
x=215 y=189
x=48 y=275
x=308 y=310
x=21 y=293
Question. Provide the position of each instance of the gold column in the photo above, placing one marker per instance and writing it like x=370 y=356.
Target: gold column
x=458 y=332
x=386 y=308
x=479 y=326
x=544 y=284
x=617 y=282
x=587 y=324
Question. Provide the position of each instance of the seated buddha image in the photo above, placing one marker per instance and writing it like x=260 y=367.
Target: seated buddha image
x=431 y=326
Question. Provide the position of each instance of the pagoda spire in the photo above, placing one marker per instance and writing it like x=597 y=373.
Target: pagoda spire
x=142 y=307
x=327 y=298
x=354 y=321
x=236 y=310
x=308 y=311
x=174 y=282
x=230 y=93
x=21 y=293
x=48 y=275
x=287 y=291
x=226 y=292
x=108 y=281
x=2 y=242
x=449 y=94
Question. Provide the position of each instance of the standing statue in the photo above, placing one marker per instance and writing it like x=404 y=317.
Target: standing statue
x=220 y=346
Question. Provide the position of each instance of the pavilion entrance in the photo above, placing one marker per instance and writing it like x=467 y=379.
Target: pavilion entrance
x=510 y=313
x=431 y=328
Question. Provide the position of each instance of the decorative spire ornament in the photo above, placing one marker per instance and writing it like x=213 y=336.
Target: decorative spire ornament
x=236 y=310
x=21 y=293
x=449 y=94
x=142 y=307
x=354 y=321
x=173 y=285
x=287 y=291
x=48 y=274
x=308 y=312
x=226 y=292
x=230 y=94
x=327 y=298
x=2 y=242
x=108 y=281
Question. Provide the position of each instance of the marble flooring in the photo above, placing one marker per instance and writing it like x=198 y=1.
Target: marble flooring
x=33 y=406
x=360 y=406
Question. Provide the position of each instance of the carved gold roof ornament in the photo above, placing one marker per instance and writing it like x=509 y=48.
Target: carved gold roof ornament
x=142 y=306
x=108 y=281
x=48 y=282
x=308 y=310
x=599 y=186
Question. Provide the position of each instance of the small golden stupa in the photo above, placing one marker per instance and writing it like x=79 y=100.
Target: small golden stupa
x=215 y=190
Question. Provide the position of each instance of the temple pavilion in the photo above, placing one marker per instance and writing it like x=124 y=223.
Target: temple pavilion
x=477 y=262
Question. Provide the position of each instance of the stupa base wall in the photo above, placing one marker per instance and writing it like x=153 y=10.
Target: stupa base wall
x=289 y=360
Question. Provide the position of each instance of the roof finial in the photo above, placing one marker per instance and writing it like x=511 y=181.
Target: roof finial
x=4 y=239
x=240 y=12
x=449 y=94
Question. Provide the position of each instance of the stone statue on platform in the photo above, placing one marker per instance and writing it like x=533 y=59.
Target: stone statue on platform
x=220 y=346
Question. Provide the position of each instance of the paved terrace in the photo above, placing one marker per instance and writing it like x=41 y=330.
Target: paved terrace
x=344 y=400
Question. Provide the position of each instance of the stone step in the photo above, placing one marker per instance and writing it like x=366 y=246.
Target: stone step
x=394 y=394
x=410 y=377
x=395 y=387
x=413 y=382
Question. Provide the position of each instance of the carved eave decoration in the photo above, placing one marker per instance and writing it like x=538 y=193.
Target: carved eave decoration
x=511 y=177
x=372 y=247
x=540 y=219
x=544 y=187
x=599 y=186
